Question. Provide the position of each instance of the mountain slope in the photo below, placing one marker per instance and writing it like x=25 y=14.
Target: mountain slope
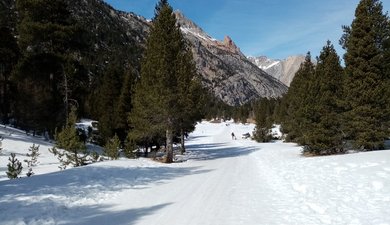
x=109 y=34
x=112 y=34
x=225 y=70
x=283 y=70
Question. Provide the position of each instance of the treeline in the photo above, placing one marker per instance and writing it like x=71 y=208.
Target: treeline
x=330 y=109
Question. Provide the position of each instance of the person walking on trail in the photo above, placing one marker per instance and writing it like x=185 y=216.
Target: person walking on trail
x=233 y=136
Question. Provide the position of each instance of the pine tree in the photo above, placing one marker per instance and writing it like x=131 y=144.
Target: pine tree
x=14 y=167
x=279 y=111
x=109 y=92
x=39 y=107
x=366 y=83
x=298 y=102
x=190 y=96
x=67 y=139
x=124 y=106
x=129 y=147
x=159 y=6
x=156 y=109
x=263 y=116
x=9 y=52
x=323 y=133
x=111 y=149
x=34 y=153
x=46 y=74
x=386 y=72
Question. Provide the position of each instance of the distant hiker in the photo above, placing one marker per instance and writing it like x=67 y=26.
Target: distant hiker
x=233 y=136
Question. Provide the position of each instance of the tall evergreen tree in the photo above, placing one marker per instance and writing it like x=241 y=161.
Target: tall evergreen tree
x=156 y=109
x=48 y=39
x=190 y=96
x=263 y=116
x=386 y=67
x=9 y=53
x=298 y=102
x=124 y=106
x=366 y=84
x=323 y=134
x=109 y=92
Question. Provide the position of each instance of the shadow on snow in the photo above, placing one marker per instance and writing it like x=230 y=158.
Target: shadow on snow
x=94 y=178
x=217 y=151
x=48 y=211
x=90 y=185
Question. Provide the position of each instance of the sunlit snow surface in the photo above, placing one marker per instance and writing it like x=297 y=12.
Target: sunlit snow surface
x=219 y=181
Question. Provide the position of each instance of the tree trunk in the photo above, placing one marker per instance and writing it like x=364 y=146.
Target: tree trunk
x=169 y=148
x=182 y=148
x=76 y=159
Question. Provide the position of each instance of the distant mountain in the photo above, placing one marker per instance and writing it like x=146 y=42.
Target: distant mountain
x=225 y=70
x=116 y=35
x=283 y=70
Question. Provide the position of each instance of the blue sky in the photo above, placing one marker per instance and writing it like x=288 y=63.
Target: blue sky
x=274 y=28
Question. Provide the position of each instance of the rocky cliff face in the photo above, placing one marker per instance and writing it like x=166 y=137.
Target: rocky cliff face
x=225 y=70
x=283 y=70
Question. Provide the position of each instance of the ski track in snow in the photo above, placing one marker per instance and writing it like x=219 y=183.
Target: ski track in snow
x=219 y=181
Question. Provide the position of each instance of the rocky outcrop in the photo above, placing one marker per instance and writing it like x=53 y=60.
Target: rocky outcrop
x=283 y=70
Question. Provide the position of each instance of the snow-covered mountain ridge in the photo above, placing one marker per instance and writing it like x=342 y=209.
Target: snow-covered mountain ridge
x=283 y=70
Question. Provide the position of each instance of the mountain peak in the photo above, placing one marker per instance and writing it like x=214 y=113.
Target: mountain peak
x=283 y=70
x=184 y=22
x=232 y=47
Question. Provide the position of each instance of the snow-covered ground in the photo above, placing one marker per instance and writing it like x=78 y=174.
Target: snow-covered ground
x=219 y=181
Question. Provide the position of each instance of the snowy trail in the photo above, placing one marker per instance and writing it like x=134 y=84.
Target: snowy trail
x=221 y=182
x=220 y=187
